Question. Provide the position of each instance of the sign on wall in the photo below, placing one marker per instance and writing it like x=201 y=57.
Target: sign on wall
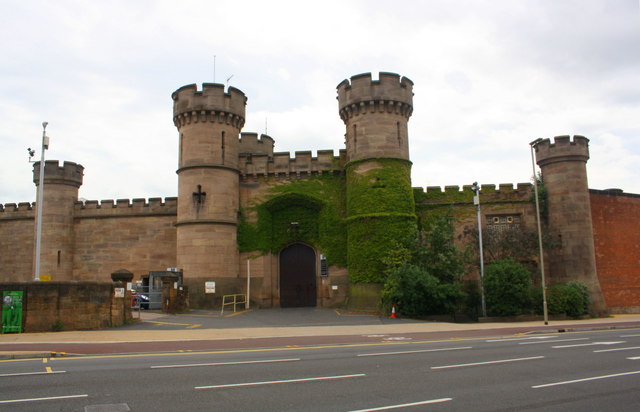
x=11 y=311
x=209 y=287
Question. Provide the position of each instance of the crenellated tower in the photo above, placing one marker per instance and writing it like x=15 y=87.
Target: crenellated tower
x=61 y=185
x=380 y=204
x=209 y=123
x=564 y=171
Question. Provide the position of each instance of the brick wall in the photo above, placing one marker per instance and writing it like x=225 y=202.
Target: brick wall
x=616 y=230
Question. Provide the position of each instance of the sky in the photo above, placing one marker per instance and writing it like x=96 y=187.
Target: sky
x=490 y=77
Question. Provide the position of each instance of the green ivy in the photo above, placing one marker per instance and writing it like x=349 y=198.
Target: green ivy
x=316 y=204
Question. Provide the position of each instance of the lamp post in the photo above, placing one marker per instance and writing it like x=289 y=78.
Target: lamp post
x=40 y=201
x=476 y=201
x=535 y=191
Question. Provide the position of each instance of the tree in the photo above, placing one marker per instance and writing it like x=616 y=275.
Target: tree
x=507 y=286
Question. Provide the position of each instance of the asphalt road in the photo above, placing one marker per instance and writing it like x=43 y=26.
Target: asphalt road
x=557 y=372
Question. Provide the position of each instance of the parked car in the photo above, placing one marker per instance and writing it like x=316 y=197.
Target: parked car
x=140 y=300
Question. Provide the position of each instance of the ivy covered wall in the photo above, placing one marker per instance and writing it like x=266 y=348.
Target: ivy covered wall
x=380 y=214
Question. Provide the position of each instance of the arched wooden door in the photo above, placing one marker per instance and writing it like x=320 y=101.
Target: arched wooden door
x=297 y=276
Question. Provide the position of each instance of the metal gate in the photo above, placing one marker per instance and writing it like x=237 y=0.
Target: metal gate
x=297 y=276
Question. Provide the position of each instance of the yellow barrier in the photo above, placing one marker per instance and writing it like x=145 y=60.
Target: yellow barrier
x=234 y=302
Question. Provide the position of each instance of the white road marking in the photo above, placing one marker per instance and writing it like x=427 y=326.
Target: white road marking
x=404 y=405
x=629 y=336
x=616 y=349
x=634 y=358
x=553 y=341
x=31 y=373
x=398 y=338
x=190 y=365
x=321 y=378
x=412 y=351
x=587 y=344
x=50 y=398
x=487 y=363
x=516 y=339
x=615 y=375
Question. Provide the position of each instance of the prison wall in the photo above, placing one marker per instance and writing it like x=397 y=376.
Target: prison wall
x=136 y=235
x=17 y=225
x=616 y=233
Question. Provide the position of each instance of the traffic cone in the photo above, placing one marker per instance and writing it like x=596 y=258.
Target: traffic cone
x=393 y=312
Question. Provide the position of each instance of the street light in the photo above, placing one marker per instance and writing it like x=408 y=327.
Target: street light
x=476 y=201
x=40 y=200
x=535 y=191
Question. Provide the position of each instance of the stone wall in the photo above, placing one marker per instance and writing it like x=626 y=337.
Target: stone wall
x=17 y=234
x=51 y=306
x=616 y=232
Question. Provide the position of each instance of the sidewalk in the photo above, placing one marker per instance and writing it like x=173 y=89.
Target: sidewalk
x=157 y=335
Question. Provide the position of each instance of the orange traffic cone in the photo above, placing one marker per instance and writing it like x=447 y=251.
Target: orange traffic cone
x=393 y=312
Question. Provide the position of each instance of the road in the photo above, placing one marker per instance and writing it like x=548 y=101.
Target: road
x=596 y=370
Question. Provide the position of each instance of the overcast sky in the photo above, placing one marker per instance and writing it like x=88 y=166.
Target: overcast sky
x=490 y=76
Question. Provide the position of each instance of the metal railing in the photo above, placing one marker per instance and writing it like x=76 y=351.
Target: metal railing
x=233 y=302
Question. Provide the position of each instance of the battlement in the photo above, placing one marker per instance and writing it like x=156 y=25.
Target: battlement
x=211 y=104
x=282 y=164
x=562 y=149
x=251 y=144
x=505 y=192
x=126 y=207
x=69 y=173
x=22 y=210
x=390 y=93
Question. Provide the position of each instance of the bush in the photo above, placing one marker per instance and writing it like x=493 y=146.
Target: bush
x=584 y=292
x=566 y=299
x=507 y=287
x=418 y=293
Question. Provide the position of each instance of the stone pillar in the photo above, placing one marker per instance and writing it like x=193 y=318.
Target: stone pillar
x=209 y=123
x=564 y=172
x=61 y=186
x=380 y=203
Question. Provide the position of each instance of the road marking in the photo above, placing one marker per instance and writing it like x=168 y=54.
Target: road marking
x=320 y=378
x=397 y=338
x=50 y=398
x=193 y=326
x=629 y=336
x=166 y=323
x=404 y=405
x=412 y=351
x=587 y=344
x=48 y=369
x=516 y=339
x=486 y=363
x=224 y=363
x=553 y=341
x=616 y=375
x=45 y=360
x=30 y=373
x=634 y=358
x=616 y=349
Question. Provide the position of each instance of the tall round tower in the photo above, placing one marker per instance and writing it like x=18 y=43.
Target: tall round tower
x=60 y=193
x=380 y=204
x=564 y=171
x=209 y=123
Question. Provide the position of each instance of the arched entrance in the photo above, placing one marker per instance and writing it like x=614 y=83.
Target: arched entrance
x=297 y=276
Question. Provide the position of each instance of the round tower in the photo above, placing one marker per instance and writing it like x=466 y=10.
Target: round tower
x=60 y=193
x=380 y=204
x=564 y=172
x=209 y=123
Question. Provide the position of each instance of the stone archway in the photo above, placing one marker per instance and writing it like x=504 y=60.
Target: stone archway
x=297 y=276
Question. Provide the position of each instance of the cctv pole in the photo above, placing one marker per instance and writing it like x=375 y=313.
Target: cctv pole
x=535 y=191
x=40 y=201
x=476 y=201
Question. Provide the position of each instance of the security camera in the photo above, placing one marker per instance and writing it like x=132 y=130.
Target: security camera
x=31 y=152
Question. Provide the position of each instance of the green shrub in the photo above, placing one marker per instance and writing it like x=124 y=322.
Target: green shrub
x=507 y=286
x=416 y=293
x=565 y=299
x=584 y=292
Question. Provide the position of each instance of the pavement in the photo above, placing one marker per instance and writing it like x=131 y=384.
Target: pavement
x=208 y=330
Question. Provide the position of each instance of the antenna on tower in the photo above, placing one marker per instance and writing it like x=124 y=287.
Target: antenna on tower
x=214 y=68
x=265 y=126
x=229 y=78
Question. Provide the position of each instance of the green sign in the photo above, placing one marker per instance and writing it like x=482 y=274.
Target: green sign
x=11 y=311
